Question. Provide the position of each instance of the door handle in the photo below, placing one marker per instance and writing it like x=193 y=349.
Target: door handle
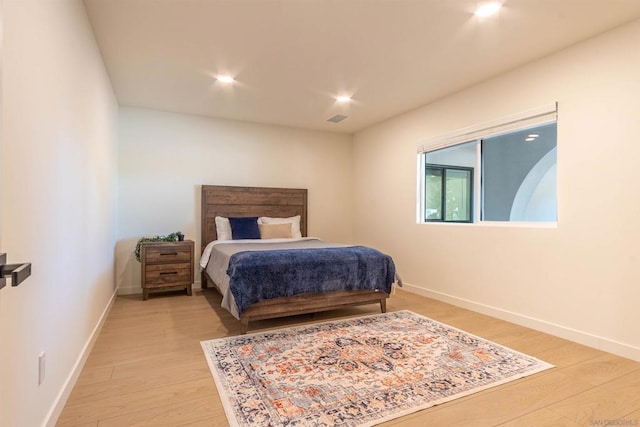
x=17 y=272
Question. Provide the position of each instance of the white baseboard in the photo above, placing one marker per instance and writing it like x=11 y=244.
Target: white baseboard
x=58 y=405
x=581 y=337
x=136 y=289
x=129 y=290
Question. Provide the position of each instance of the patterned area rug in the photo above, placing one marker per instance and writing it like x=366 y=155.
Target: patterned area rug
x=355 y=372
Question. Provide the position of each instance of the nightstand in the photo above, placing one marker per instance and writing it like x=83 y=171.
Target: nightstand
x=166 y=265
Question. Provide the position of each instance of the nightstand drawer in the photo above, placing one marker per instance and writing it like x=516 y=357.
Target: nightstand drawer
x=168 y=274
x=167 y=254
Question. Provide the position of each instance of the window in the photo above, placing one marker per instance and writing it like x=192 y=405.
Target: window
x=503 y=172
x=449 y=193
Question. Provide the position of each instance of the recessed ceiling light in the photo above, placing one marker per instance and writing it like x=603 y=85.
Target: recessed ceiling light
x=225 y=79
x=533 y=135
x=343 y=98
x=488 y=9
x=530 y=139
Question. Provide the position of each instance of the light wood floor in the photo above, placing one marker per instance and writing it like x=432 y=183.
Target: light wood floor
x=147 y=369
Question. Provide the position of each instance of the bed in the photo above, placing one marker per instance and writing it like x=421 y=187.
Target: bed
x=242 y=202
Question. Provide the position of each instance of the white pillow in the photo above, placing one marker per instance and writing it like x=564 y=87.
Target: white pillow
x=294 y=221
x=223 y=228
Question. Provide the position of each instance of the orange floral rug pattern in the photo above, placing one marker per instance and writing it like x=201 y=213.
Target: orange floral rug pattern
x=355 y=372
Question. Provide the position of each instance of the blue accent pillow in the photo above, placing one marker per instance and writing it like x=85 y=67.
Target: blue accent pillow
x=244 y=228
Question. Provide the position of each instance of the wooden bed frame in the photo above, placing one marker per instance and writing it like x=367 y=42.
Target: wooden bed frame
x=229 y=201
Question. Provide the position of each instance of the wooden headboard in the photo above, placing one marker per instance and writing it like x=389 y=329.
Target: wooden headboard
x=228 y=201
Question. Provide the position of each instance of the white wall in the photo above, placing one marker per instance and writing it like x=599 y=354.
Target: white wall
x=164 y=158
x=59 y=183
x=579 y=280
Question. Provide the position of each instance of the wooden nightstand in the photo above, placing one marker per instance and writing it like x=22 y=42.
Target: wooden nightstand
x=166 y=265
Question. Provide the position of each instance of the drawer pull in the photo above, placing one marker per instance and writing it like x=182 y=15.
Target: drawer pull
x=168 y=253
x=168 y=272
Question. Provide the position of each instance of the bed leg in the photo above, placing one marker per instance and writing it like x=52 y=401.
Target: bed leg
x=203 y=281
x=383 y=305
x=244 y=326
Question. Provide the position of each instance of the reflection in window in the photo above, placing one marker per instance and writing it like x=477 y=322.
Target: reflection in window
x=449 y=193
x=513 y=166
x=434 y=194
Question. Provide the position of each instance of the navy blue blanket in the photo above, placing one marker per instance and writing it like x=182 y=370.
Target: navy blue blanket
x=259 y=275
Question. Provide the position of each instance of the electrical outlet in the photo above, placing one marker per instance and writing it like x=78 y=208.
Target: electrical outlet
x=42 y=363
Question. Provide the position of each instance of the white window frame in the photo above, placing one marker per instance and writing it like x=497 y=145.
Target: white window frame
x=535 y=117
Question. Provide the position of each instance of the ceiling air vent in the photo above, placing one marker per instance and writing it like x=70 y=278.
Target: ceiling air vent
x=337 y=118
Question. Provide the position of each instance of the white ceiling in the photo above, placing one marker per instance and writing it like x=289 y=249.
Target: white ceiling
x=292 y=57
